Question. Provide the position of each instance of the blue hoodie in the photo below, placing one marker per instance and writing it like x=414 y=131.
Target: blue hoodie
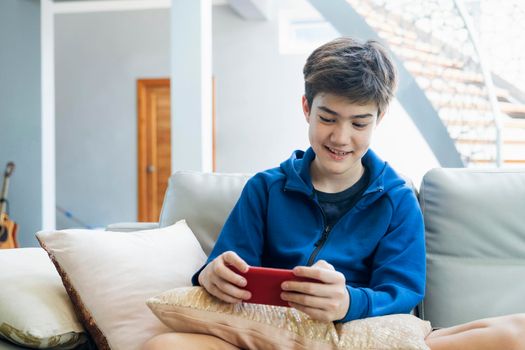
x=378 y=245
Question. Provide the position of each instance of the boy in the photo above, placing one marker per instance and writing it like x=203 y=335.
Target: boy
x=336 y=213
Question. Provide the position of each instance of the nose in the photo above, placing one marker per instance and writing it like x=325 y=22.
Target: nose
x=341 y=134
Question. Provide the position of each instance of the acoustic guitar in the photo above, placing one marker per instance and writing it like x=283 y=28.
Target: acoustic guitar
x=8 y=228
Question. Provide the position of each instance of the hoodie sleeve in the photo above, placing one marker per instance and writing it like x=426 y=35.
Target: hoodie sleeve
x=397 y=279
x=244 y=229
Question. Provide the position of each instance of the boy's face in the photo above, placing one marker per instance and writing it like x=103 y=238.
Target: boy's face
x=340 y=133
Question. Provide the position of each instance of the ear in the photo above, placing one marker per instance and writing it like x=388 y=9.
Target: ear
x=306 y=109
x=380 y=118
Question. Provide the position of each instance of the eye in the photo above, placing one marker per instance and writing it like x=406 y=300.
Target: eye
x=359 y=125
x=326 y=120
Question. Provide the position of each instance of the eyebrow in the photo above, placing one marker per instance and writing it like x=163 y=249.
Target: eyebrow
x=329 y=111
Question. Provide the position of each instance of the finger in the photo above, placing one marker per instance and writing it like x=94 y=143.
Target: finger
x=306 y=300
x=215 y=291
x=231 y=258
x=232 y=290
x=320 y=274
x=223 y=272
x=315 y=314
x=310 y=288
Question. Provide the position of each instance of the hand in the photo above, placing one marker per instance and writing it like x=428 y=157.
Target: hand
x=326 y=301
x=219 y=280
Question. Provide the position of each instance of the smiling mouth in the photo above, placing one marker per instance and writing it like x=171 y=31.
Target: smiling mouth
x=336 y=152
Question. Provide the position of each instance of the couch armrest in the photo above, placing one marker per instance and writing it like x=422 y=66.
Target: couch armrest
x=132 y=226
x=475 y=243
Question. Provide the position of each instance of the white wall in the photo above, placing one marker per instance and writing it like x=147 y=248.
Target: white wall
x=398 y=141
x=99 y=57
x=20 y=118
x=259 y=116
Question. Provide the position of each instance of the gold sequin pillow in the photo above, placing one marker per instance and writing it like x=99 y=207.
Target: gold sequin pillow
x=254 y=326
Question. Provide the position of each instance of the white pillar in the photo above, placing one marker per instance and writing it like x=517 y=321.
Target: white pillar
x=191 y=85
x=47 y=38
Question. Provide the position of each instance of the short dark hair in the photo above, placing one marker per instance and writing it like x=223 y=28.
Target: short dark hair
x=362 y=72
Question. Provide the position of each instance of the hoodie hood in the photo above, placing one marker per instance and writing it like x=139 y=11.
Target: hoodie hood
x=383 y=178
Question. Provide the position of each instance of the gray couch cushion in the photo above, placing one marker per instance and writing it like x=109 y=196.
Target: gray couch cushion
x=475 y=236
x=204 y=199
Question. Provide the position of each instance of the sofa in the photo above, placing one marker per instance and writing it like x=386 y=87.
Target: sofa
x=475 y=235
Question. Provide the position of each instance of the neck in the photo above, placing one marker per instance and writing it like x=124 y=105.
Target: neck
x=337 y=182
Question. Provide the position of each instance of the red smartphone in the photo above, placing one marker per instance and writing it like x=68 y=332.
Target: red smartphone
x=264 y=283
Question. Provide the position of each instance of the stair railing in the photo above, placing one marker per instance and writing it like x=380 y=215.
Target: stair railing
x=448 y=72
x=487 y=76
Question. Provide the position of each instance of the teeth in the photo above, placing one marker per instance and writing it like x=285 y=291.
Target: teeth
x=337 y=152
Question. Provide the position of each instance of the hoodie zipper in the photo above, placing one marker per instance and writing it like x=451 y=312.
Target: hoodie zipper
x=327 y=229
x=319 y=244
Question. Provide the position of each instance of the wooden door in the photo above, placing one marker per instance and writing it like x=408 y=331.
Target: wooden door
x=154 y=146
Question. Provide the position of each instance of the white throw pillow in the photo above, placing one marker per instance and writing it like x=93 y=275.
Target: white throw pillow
x=110 y=275
x=35 y=310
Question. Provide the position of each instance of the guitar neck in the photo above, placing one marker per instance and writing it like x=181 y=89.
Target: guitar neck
x=3 y=195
